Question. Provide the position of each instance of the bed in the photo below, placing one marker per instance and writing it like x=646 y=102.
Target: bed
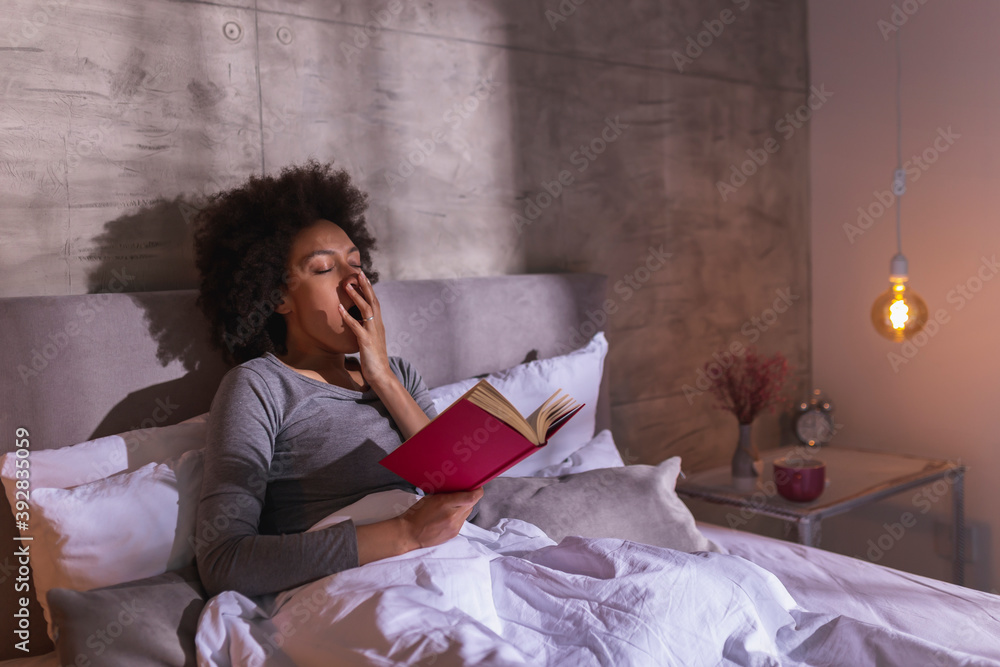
x=574 y=558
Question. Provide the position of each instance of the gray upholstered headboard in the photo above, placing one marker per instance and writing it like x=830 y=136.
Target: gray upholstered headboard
x=73 y=368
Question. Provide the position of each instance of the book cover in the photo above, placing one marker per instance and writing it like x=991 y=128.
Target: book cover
x=463 y=448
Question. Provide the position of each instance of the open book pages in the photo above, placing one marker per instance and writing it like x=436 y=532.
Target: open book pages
x=535 y=426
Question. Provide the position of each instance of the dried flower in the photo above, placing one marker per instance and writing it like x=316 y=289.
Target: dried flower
x=749 y=384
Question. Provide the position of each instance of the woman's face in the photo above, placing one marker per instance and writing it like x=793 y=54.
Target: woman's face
x=322 y=262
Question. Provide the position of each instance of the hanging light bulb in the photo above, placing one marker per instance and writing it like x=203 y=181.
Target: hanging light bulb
x=899 y=312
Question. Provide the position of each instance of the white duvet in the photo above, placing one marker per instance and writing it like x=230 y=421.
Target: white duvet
x=511 y=596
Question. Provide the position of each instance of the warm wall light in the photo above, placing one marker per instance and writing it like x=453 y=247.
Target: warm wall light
x=899 y=312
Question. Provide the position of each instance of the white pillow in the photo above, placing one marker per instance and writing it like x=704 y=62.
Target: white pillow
x=122 y=528
x=601 y=452
x=374 y=507
x=526 y=386
x=70 y=466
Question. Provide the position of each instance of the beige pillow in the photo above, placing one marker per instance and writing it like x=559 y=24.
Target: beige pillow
x=149 y=622
x=636 y=503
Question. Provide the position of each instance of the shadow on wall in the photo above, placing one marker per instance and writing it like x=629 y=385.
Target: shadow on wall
x=146 y=250
x=149 y=254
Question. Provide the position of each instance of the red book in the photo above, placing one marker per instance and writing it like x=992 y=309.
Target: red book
x=475 y=439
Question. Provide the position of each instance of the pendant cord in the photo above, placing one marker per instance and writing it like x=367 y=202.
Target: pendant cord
x=899 y=144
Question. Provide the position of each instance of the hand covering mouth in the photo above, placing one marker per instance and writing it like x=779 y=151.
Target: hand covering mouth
x=354 y=312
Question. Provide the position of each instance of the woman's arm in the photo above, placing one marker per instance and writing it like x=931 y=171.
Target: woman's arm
x=434 y=519
x=374 y=358
x=430 y=521
x=229 y=551
x=409 y=416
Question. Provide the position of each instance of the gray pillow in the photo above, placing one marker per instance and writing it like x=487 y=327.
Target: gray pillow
x=144 y=622
x=635 y=502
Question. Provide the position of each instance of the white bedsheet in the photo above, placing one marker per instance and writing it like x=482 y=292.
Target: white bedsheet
x=510 y=596
x=939 y=612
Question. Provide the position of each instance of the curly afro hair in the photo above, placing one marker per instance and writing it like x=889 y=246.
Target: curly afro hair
x=242 y=241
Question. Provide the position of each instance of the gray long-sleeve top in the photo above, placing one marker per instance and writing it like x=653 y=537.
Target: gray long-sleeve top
x=282 y=452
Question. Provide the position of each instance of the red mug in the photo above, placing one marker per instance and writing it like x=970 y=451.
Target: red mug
x=800 y=480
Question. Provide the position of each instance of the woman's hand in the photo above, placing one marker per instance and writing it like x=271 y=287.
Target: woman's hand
x=409 y=417
x=370 y=332
x=437 y=518
x=430 y=521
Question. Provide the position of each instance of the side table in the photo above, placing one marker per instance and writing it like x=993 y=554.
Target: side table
x=855 y=478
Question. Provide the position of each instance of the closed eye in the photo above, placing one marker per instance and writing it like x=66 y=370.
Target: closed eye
x=331 y=269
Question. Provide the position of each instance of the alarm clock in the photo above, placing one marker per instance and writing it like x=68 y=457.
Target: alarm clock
x=814 y=422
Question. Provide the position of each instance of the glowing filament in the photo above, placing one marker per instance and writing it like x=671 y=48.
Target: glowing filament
x=898 y=314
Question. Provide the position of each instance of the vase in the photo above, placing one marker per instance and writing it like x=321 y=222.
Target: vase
x=747 y=464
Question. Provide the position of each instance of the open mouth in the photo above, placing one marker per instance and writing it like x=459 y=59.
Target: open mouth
x=354 y=312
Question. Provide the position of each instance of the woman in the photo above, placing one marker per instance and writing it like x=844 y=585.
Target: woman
x=296 y=430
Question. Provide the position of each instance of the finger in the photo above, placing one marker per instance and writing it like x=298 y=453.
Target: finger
x=369 y=292
x=357 y=293
x=462 y=498
x=453 y=503
x=351 y=323
x=359 y=299
x=366 y=286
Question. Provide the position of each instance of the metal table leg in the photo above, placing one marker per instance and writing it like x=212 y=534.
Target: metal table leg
x=808 y=531
x=958 y=498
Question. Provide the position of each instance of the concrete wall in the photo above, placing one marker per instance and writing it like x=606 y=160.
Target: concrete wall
x=938 y=397
x=655 y=142
x=457 y=117
x=493 y=137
